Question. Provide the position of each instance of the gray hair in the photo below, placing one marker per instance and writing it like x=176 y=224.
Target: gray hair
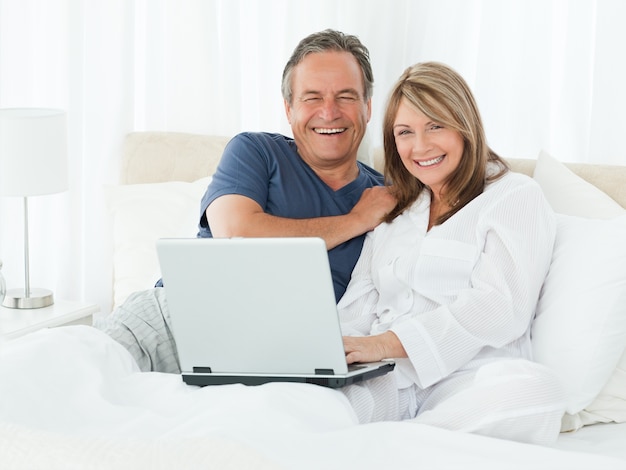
x=329 y=40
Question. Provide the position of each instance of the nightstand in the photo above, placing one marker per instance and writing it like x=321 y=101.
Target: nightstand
x=18 y=322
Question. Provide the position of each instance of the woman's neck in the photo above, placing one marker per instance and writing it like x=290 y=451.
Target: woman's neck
x=437 y=209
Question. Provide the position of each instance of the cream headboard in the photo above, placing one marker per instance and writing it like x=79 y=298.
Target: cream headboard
x=156 y=157
x=609 y=178
x=153 y=157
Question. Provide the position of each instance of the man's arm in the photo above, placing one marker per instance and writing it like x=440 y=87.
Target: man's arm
x=239 y=216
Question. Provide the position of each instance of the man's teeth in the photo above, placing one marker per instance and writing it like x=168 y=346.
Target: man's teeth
x=430 y=162
x=330 y=131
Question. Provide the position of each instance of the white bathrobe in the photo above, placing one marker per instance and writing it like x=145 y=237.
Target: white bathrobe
x=461 y=298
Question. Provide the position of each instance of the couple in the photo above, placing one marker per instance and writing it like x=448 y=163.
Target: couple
x=446 y=285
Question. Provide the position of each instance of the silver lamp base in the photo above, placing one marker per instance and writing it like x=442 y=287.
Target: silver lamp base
x=38 y=298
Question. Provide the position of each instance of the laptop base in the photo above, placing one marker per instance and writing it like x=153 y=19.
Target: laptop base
x=322 y=380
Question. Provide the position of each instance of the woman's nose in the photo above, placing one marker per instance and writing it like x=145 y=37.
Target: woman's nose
x=421 y=143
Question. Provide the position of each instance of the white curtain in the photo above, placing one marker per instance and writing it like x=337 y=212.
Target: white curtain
x=546 y=73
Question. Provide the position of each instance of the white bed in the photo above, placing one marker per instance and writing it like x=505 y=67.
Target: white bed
x=72 y=398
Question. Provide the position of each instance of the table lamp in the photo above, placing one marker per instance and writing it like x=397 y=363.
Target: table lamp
x=33 y=162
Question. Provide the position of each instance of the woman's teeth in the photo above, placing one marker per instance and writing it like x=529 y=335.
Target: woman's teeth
x=431 y=162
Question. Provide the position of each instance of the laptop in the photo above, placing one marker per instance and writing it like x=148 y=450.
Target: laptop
x=256 y=310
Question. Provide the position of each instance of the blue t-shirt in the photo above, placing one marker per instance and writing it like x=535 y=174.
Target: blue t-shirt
x=267 y=168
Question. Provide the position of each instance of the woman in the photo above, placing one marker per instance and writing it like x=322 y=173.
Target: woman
x=448 y=286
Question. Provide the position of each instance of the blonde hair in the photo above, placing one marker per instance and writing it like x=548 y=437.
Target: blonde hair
x=442 y=95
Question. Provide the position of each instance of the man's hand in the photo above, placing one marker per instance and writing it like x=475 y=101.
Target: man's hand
x=373 y=348
x=375 y=203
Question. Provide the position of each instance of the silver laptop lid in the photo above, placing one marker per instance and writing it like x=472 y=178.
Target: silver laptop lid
x=252 y=305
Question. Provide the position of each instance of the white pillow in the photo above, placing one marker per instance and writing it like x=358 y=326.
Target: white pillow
x=569 y=194
x=141 y=214
x=580 y=329
x=609 y=405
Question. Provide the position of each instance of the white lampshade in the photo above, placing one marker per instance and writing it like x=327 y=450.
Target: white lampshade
x=33 y=151
x=33 y=162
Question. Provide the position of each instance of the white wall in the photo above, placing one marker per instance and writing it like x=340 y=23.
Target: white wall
x=546 y=73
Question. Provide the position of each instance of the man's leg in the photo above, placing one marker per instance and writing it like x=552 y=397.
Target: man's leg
x=142 y=325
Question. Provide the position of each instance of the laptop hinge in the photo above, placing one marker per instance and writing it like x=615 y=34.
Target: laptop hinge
x=324 y=372
x=202 y=370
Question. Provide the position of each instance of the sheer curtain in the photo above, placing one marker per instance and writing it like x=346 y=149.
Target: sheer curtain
x=546 y=73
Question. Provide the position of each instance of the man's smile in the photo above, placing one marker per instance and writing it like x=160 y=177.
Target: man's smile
x=325 y=130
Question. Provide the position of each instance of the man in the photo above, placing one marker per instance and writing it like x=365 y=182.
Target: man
x=314 y=179
x=269 y=185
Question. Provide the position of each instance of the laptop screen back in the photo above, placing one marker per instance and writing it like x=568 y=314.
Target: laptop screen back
x=252 y=305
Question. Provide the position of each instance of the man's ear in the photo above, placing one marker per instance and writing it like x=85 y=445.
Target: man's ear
x=287 y=110
x=369 y=109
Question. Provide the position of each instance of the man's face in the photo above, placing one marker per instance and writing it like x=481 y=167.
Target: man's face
x=328 y=113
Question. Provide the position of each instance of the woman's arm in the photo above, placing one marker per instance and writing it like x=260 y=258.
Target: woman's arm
x=373 y=348
x=357 y=306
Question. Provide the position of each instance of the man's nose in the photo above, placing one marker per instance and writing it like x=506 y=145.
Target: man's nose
x=329 y=109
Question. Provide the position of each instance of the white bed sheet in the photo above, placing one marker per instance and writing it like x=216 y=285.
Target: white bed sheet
x=71 y=397
x=602 y=439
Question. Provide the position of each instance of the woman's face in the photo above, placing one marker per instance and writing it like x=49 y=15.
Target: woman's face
x=429 y=151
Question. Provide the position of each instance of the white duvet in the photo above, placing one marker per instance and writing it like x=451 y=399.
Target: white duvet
x=71 y=397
